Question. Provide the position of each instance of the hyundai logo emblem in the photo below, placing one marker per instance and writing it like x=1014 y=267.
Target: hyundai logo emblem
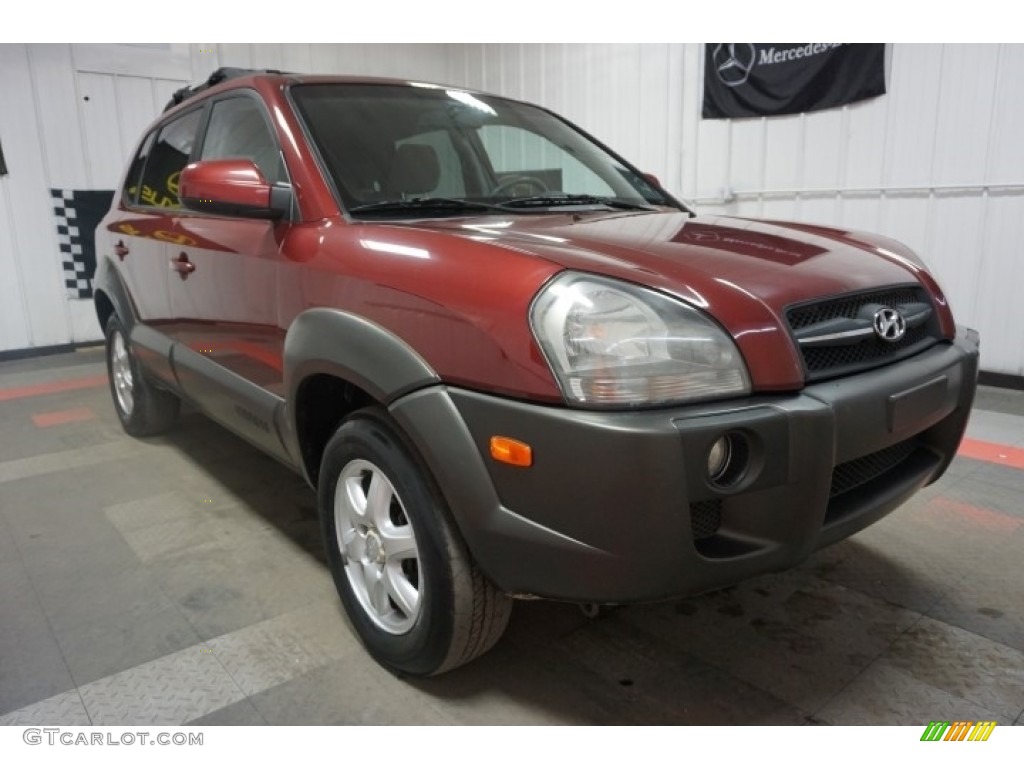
x=889 y=324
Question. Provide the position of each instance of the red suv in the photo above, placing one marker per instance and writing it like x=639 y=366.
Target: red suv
x=510 y=363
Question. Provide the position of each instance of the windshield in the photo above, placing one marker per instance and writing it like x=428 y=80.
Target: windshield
x=392 y=149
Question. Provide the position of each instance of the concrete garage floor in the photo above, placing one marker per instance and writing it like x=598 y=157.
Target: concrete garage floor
x=181 y=580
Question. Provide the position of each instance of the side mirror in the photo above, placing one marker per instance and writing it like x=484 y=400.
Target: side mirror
x=651 y=179
x=232 y=188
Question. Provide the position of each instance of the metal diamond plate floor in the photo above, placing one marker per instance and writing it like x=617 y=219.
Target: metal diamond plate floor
x=181 y=580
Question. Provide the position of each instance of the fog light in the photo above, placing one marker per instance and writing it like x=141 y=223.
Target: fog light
x=718 y=457
x=728 y=460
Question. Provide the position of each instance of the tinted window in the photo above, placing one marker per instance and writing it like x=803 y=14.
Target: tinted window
x=387 y=143
x=450 y=180
x=167 y=158
x=516 y=152
x=238 y=129
x=130 y=193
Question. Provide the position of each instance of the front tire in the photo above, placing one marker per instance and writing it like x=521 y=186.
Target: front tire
x=143 y=409
x=415 y=597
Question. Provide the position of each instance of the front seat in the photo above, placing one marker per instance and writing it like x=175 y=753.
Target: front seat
x=415 y=170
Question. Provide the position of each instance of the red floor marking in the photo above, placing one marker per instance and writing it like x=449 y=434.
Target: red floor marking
x=951 y=510
x=995 y=453
x=50 y=387
x=62 y=417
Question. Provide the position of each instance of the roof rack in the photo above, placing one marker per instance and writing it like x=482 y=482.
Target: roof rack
x=219 y=76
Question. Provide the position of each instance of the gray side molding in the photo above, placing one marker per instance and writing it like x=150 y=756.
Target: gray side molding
x=350 y=348
x=354 y=349
x=108 y=281
x=515 y=552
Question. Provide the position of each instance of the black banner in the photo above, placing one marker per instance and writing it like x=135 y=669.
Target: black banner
x=755 y=79
x=77 y=214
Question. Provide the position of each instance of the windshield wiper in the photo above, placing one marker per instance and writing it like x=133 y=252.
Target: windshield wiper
x=426 y=203
x=453 y=204
x=551 y=201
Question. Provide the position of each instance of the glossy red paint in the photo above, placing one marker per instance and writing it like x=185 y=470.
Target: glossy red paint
x=743 y=273
x=231 y=297
x=460 y=303
x=890 y=249
x=463 y=287
x=458 y=290
x=233 y=182
x=157 y=226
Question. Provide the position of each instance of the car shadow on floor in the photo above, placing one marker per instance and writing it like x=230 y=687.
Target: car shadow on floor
x=252 y=479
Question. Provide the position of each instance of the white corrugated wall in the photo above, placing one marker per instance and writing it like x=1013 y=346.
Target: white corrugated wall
x=69 y=118
x=937 y=162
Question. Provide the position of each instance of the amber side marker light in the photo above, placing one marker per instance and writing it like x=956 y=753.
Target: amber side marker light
x=509 y=451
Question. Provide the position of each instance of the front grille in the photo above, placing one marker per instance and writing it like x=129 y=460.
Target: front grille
x=857 y=472
x=705 y=518
x=840 y=358
x=830 y=359
x=849 y=306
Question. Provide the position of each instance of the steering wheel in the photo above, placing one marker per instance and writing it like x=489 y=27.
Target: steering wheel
x=512 y=182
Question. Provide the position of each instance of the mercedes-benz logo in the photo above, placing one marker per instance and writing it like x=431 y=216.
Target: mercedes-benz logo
x=889 y=324
x=733 y=62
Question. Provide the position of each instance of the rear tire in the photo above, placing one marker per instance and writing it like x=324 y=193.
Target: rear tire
x=418 y=602
x=143 y=409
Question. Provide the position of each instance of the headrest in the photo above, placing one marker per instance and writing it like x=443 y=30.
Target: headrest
x=414 y=169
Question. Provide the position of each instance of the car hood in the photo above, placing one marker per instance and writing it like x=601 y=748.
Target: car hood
x=743 y=272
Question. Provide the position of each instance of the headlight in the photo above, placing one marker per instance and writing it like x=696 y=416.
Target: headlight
x=611 y=343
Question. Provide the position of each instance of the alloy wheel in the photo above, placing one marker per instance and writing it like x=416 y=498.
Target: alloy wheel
x=121 y=370
x=379 y=547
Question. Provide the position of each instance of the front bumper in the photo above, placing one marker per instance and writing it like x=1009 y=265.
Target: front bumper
x=617 y=506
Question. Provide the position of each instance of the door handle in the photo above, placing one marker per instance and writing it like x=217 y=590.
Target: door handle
x=183 y=266
x=121 y=250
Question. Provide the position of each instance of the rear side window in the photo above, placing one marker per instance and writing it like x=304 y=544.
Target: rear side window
x=238 y=130
x=167 y=158
x=130 y=193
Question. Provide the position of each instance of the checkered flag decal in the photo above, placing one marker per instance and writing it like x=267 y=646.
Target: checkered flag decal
x=78 y=213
